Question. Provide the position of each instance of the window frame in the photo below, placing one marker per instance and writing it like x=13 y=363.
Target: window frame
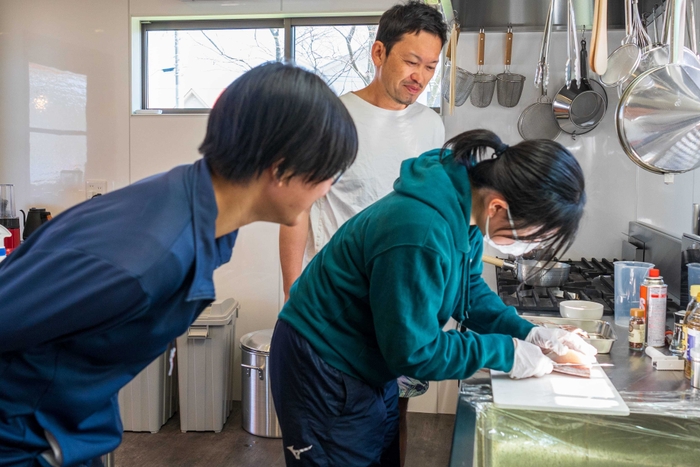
x=189 y=25
x=287 y=24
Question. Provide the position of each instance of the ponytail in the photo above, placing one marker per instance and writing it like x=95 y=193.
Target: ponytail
x=470 y=147
x=540 y=180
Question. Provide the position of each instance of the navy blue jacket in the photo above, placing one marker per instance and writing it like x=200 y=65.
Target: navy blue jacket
x=90 y=299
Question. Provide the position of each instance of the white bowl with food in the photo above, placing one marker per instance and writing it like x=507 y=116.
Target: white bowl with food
x=580 y=309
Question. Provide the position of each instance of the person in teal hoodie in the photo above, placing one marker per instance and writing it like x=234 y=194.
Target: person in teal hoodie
x=373 y=303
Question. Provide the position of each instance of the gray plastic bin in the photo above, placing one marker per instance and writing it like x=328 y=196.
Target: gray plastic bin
x=205 y=368
x=150 y=399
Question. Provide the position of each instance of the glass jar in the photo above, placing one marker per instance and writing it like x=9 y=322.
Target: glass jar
x=638 y=328
x=678 y=341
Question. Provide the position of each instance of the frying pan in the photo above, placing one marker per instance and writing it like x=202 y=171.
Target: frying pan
x=658 y=116
x=533 y=272
x=579 y=109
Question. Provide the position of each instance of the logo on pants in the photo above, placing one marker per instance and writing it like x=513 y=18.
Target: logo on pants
x=297 y=452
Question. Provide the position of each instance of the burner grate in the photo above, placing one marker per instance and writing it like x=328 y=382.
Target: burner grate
x=588 y=280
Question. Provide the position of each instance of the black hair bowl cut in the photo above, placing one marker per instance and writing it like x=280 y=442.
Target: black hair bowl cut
x=278 y=114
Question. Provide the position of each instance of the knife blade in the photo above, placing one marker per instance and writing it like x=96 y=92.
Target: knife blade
x=583 y=364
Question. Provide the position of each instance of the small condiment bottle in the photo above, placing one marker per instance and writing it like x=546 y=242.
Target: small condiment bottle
x=637 y=335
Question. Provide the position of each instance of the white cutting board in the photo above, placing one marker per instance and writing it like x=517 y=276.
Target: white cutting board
x=559 y=393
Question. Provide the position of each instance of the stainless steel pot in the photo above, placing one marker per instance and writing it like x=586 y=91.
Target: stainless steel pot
x=259 y=416
x=533 y=272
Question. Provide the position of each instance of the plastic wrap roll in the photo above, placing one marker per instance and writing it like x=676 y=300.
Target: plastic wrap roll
x=663 y=429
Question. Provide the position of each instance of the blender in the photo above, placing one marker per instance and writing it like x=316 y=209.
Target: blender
x=8 y=216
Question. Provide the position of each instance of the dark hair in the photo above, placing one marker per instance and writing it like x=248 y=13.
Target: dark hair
x=410 y=18
x=540 y=180
x=278 y=113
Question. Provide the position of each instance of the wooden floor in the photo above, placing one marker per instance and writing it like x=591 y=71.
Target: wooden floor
x=429 y=440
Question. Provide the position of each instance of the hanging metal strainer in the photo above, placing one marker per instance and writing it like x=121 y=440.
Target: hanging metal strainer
x=464 y=82
x=484 y=83
x=509 y=86
x=537 y=120
x=625 y=59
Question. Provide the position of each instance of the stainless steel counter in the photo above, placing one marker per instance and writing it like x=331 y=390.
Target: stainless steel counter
x=633 y=371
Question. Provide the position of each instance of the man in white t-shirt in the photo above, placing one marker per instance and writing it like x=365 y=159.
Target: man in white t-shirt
x=391 y=127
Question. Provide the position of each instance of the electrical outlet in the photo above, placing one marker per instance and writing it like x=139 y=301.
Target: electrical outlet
x=94 y=188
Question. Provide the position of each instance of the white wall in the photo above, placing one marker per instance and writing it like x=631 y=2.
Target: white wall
x=90 y=40
x=82 y=128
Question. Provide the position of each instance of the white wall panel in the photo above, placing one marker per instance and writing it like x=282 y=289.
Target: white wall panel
x=63 y=85
x=668 y=207
x=161 y=142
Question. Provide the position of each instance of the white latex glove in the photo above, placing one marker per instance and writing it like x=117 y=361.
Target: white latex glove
x=559 y=341
x=529 y=361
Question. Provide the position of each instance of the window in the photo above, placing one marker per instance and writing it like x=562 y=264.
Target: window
x=338 y=54
x=186 y=64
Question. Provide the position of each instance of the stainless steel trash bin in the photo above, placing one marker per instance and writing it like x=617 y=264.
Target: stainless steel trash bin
x=259 y=416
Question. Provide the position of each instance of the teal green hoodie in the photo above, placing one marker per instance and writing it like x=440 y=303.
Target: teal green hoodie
x=374 y=301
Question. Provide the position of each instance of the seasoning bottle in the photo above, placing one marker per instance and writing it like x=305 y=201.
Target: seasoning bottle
x=694 y=291
x=653 y=300
x=692 y=327
x=637 y=329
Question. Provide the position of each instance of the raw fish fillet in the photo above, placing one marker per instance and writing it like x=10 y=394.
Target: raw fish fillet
x=583 y=369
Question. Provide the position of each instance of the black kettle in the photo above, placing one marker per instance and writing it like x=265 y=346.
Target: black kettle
x=33 y=220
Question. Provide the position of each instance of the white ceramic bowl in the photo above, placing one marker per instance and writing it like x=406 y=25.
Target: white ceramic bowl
x=581 y=309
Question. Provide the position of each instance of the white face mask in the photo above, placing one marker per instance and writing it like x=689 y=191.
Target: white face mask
x=517 y=248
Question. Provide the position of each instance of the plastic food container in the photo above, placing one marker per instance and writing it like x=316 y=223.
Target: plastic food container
x=580 y=309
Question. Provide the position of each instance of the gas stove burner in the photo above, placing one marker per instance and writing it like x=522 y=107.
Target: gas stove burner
x=589 y=280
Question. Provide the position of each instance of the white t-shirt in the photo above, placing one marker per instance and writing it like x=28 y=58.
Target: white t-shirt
x=386 y=138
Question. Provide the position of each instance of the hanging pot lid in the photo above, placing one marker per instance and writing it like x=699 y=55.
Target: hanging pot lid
x=257 y=341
